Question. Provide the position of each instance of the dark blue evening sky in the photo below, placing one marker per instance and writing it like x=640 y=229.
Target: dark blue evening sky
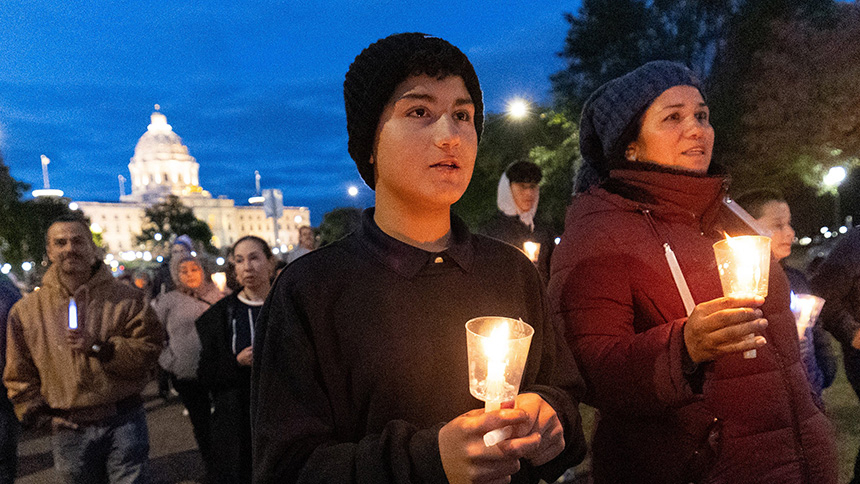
x=253 y=85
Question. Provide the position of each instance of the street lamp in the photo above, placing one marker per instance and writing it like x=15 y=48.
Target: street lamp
x=352 y=191
x=518 y=108
x=834 y=177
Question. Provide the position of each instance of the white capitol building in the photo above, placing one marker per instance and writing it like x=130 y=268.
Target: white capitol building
x=161 y=166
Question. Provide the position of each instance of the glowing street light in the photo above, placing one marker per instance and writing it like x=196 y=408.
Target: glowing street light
x=518 y=108
x=47 y=191
x=835 y=176
x=352 y=191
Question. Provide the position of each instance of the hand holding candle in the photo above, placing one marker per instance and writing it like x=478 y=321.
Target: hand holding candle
x=497 y=349
x=744 y=266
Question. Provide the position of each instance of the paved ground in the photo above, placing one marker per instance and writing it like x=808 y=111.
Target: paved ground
x=173 y=453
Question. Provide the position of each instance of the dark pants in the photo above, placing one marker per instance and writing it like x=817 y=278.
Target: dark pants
x=8 y=441
x=195 y=398
x=851 y=357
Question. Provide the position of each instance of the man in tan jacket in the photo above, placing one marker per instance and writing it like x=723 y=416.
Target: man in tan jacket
x=84 y=378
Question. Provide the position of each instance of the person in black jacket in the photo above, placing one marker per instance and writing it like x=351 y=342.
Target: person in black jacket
x=226 y=333
x=360 y=368
x=517 y=200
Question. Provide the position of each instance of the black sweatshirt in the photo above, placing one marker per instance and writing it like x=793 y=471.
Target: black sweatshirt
x=360 y=358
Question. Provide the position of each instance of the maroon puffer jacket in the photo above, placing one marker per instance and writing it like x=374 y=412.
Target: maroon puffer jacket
x=734 y=420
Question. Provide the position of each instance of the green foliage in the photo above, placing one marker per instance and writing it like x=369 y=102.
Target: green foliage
x=546 y=138
x=171 y=218
x=799 y=113
x=338 y=223
x=609 y=38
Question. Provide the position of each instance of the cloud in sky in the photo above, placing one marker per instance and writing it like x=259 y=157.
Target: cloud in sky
x=248 y=85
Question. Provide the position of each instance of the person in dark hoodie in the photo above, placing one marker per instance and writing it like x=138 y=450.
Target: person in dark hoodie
x=517 y=200
x=636 y=287
x=360 y=369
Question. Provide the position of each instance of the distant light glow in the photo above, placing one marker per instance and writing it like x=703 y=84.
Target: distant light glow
x=6 y=268
x=284 y=247
x=805 y=241
x=159 y=259
x=843 y=229
x=96 y=228
x=219 y=261
x=256 y=200
x=352 y=190
x=193 y=253
x=47 y=192
x=276 y=250
x=557 y=240
x=834 y=176
x=73 y=206
x=147 y=256
x=824 y=230
x=157 y=236
x=298 y=219
x=518 y=108
x=27 y=266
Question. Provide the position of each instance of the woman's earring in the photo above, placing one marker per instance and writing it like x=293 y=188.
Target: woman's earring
x=630 y=154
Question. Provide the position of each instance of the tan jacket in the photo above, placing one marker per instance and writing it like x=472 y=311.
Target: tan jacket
x=41 y=368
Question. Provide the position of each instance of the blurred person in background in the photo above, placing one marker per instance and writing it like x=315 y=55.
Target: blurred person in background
x=306 y=244
x=84 y=381
x=837 y=280
x=226 y=333
x=177 y=310
x=773 y=215
x=517 y=202
x=9 y=295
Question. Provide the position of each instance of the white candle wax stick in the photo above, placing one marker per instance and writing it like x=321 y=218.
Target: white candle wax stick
x=73 y=314
x=493 y=437
x=749 y=354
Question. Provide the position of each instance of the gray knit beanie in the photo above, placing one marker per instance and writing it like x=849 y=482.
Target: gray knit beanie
x=380 y=68
x=611 y=109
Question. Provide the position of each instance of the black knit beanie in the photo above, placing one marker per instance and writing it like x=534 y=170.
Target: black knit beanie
x=380 y=68
x=610 y=110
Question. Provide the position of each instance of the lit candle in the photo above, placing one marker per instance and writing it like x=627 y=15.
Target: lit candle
x=806 y=309
x=532 y=250
x=744 y=266
x=497 y=349
x=220 y=280
x=73 y=314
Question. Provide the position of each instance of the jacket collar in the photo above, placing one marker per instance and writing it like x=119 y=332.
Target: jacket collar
x=51 y=279
x=407 y=260
x=669 y=194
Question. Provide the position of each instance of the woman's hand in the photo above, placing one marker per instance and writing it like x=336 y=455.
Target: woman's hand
x=722 y=326
x=245 y=357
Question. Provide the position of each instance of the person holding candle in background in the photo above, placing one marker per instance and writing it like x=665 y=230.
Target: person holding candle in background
x=837 y=280
x=517 y=201
x=226 y=334
x=360 y=361
x=636 y=287
x=773 y=214
x=177 y=310
x=85 y=382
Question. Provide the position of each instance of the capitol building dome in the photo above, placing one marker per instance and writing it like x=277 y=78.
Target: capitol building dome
x=161 y=164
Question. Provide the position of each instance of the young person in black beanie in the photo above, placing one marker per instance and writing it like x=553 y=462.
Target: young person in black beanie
x=360 y=367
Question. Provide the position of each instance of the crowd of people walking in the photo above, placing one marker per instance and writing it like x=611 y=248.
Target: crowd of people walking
x=351 y=366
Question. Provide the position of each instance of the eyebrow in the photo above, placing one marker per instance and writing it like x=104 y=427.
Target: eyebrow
x=681 y=105
x=429 y=98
